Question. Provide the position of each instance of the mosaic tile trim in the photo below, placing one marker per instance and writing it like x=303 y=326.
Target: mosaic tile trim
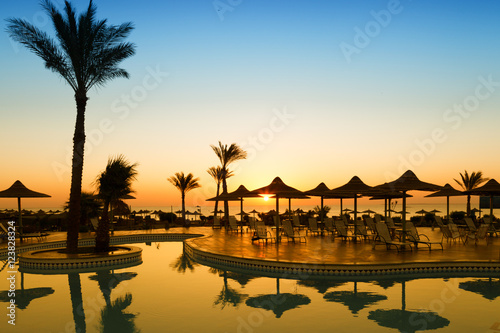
x=304 y=270
x=115 y=240
x=41 y=265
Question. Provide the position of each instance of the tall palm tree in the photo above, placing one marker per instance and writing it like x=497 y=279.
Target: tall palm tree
x=469 y=182
x=86 y=53
x=90 y=206
x=184 y=183
x=217 y=174
x=113 y=183
x=227 y=155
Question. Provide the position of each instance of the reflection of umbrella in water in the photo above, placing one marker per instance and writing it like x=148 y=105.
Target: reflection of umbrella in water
x=18 y=190
x=278 y=303
x=487 y=288
x=280 y=190
x=320 y=285
x=23 y=296
x=228 y=295
x=408 y=321
x=354 y=300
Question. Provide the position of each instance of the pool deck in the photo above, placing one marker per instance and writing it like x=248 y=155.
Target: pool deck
x=317 y=250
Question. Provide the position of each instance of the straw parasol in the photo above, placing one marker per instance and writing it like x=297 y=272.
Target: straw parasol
x=320 y=191
x=279 y=190
x=18 y=190
x=353 y=189
x=491 y=188
x=407 y=182
x=237 y=195
x=447 y=191
x=387 y=197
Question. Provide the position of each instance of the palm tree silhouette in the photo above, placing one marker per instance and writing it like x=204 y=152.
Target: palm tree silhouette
x=218 y=175
x=227 y=155
x=469 y=182
x=184 y=183
x=85 y=53
x=113 y=183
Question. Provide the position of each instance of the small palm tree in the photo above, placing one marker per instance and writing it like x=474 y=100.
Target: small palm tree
x=85 y=53
x=218 y=175
x=184 y=184
x=227 y=155
x=113 y=183
x=469 y=182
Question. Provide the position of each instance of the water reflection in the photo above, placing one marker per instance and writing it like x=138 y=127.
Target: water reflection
x=320 y=285
x=229 y=296
x=488 y=288
x=24 y=296
x=408 y=321
x=354 y=300
x=115 y=319
x=278 y=303
x=183 y=263
x=75 y=290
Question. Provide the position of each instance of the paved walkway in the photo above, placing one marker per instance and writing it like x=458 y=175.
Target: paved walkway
x=320 y=249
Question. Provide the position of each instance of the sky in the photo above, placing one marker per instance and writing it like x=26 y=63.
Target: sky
x=314 y=91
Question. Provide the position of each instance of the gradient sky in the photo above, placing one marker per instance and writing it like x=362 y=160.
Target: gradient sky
x=315 y=91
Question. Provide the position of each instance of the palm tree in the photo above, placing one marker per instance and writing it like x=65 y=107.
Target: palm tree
x=227 y=155
x=184 y=183
x=469 y=182
x=113 y=183
x=85 y=53
x=90 y=206
x=217 y=174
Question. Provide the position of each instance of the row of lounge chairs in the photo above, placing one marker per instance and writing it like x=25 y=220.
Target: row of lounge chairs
x=4 y=232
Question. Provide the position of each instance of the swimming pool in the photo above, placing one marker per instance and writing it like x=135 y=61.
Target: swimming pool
x=169 y=292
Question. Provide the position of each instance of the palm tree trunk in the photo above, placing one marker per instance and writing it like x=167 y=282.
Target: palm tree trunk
x=183 y=197
x=217 y=201
x=102 y=233
x=226 y=203
x=468 y=205
x=75 y=195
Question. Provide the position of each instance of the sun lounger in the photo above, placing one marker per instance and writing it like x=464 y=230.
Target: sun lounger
x=233 y=224
x=385 y=238
x=342 y=231
x=329 y=225
x=296 y=222
x=370 y=224
x=450 y=231
x=481 y=233
x=261 y=233
x=413 y=236
x=313 y=226
x=470 y=224
x=360 y=229
x=491 y=230
x=290 y=233
x=38 y=235
x=439 y=221
x=216 y=224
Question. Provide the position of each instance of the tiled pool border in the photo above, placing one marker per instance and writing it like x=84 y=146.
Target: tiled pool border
x=287 y=268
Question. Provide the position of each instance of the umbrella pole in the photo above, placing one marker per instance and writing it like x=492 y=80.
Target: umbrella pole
x=340 y=207
x=20 y=219
x=241 y=217
x=447 y=209
x=355 y=209
x=322 y=216
x=277 y=219
x=403 y=237
x=385 y=209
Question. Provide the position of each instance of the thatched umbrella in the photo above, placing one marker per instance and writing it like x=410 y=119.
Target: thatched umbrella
x=353 y=189
x=407 y=182
x=447 y=191
x=319 y=191
x=18 y=190
x=491 y=188
x=279 y=190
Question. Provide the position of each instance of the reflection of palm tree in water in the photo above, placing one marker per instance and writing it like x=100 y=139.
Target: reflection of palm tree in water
x=228 y=295
x=75 y=290
x=113 y=315
x=183 y=263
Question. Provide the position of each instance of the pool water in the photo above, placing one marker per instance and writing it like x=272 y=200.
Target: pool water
x=169 y=292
